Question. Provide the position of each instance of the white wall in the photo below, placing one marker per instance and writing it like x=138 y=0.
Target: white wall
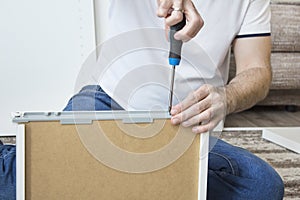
x=42 y=46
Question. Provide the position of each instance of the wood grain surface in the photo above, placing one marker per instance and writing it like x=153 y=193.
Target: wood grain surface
x=264 y=116
x=282 y=97
x=285 y=27
x=286 y=70
x=290 y=2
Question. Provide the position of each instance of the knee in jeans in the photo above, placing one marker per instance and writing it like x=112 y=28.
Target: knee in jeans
x=271 y=185
x=278 y=187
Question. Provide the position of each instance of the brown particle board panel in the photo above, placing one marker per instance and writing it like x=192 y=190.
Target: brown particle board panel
x=58 y=166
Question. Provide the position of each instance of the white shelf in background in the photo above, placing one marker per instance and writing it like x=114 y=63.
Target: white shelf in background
x=286 y=137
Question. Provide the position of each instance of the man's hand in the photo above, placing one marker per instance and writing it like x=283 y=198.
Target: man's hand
x=168 y=10
x=203 y=109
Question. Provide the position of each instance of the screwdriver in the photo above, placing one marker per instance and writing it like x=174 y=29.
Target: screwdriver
x=174 y=55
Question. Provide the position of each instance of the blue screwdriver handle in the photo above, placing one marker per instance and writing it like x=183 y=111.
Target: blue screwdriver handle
x=175 y=45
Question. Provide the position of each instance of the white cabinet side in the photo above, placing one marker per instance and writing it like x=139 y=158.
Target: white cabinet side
x=20 y=165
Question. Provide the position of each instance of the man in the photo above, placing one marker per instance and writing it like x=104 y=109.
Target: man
x=244 y=25
x=234 y=173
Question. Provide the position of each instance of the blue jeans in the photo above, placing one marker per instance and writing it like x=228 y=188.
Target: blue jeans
x=234 y=173
x=7 y=172
x=90 y=98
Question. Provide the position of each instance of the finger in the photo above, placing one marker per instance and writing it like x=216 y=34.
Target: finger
x=208 y=125
x=193 y=26
x=206 y=115
x=167 y=31
x=190 y=116
x=188 y=32
x=174 y=18
x=177 y=4
x=164 y=7
x=211 y=107
x=205 y=127
x=191 y=99
x=176 y=14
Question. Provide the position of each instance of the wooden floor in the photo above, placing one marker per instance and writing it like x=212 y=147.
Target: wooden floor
x=264 y=117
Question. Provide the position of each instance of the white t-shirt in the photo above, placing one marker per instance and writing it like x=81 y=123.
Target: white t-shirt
x=133 y=62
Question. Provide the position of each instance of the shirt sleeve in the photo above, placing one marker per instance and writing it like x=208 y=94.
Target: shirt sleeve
x=257 y=21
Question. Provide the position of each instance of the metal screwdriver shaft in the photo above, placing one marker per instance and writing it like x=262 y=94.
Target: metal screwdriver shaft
x=174 y=55
x=171 y=88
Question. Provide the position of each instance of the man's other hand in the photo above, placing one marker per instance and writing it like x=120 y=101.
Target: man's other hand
x=203 y=109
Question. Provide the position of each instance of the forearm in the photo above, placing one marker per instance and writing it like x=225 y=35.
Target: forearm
x=247 y=88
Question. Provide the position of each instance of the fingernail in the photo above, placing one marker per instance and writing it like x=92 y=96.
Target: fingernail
x=177 y=37
x=173 y=111
x=175 y=121
x=195 y=129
